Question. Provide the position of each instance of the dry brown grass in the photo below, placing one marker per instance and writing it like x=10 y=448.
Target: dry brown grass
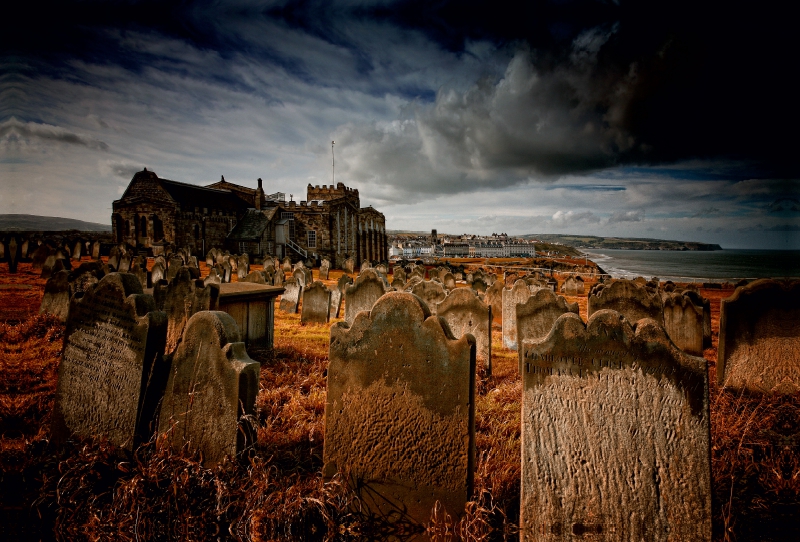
x=276 y=492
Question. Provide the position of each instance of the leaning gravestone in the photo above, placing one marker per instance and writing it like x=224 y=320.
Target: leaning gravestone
x=338 y=294
x=184 y=297
x=536 y=316
x=56 y=296
x=630 y=298
x=291 y=296
x=431 y=292
x=759 y=338
x=211 y=392
x=683 y=321
x=324 y=269
x=316 y=304
x=518 y=293
x=401 y=425
x=465 y=313
x=365 y=291
x=300 y=276
x=111 y=375
x=615 y=434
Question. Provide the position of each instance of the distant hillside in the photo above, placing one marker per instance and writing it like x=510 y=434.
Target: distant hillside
x=591 y=241
x=47 y=223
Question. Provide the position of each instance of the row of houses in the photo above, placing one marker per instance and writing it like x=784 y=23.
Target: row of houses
x=463 y=249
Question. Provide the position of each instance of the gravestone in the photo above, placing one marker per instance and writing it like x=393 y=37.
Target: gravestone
x=40 y=255
x=349 y=265
x=401 y=425
x=465 y=313
x=47 y=266
x=233 y=261
x=211 y=258
x=382 y=269
x=316 y=304
x=324 y=269
x=256 y=277
x=338 y=294
x=448 y=280
x=705 y=305
x=23 y=251
x=163 y=261
x=212 y=278
x=77 y=251
x=226 y=268
x=759 y=338
x=615 y=434
x=268 y=261
x=184 y=297
x=398 y=284
x=479 y=285
x=111 y=376
x=300 y=276
x=13 y=254
x=362 y=294
x=125 y=263
x=431 y=292
x=398 y=273
x=210 y=395
x=518 y=293
x=630 y=298
x=175 y=265
x=221 y=257
x=85 y=277
x=278 y=279
x=140 y=273
x=287 y=265
x=536 y=316
x=157 y=273
x=96 y=250
x=573 y=286
x=683 y=321
x=366 y=264
x=291 y=295
x=56 y=296
x=494 y=298
x=459 y=276
x=113 y=257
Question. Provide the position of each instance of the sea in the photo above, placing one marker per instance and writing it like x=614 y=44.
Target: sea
x=697 y=266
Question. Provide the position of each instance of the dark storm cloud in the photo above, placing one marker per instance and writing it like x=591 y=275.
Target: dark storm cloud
x=14 y=133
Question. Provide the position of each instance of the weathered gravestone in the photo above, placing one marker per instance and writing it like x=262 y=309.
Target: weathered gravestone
x=400 y=410
x=212 y=278
x=324 y=269
x=615 y=435
x=96 y=250
x=316 y=304
x=518 y=293
x=630 y=298
x=242 y=270
x=56 y=296
x=77 y=251
x=256 y=277
x=465 y=313
x=683 y=321
x=278 y=279
x=398 y=273
x=268 y=261
x=140 y=273
x=364 y=292
x=40 y=255
x=221 y=257
x=431 y=292
x=48 y=265
x=111 y=376
x=211 y=392
x=86 y=276
x=536 y=316
x=211 y=257
x=13 y=254
x=291 y=296
x=233 y=261
x=479 y=285
x=759 y=338
x=287 y=264
x=494 y=298
x=226 y=276
x=157 y=273
x=448 y=280
x=382 y=269
x=573 y=286
x=338 y=294
x=113 y=257
x=705 y=305
x=349 y=265
x=184 y=296
x=175 y=265
x=124 y=264
x=366 y=264
x=398 y=284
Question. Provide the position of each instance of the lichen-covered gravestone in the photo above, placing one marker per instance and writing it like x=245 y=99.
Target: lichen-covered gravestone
x=185 y=296
x=615 y=434
x=518 y=293
x=316 y=304
x=400 y=410
x=683 y=321
x=759 y=338
x=431 y=292
x=536 y=316
x=629 y=297
x=56 y=296
x=362 y=295
x=465 y=313
x=211 y=391
x=111 y=376
x=291 y=296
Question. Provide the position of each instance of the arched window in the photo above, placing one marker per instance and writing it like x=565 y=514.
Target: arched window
x=158 y=228
x=143 y=226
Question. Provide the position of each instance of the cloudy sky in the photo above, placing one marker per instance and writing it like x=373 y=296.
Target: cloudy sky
x=674 y=120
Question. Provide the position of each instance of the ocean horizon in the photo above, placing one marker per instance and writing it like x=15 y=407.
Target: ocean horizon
x=698 y=266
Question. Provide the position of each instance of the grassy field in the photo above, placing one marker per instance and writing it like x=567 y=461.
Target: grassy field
x=90 y=491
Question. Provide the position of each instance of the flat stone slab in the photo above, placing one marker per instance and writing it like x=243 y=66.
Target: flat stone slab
x=615 y=434
x=399 y=415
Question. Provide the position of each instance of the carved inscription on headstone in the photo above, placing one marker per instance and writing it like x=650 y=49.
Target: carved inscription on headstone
x=316 y=304
x=399 y=415
x=615 y=434
x=536 y=316
x=291 y=296
x=465 y=313
x=683 y=321
x=111 y=375
x=629 y=297
x=759 y=338
x=365 y=291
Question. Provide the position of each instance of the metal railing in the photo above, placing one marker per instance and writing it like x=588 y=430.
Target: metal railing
x=297 y=248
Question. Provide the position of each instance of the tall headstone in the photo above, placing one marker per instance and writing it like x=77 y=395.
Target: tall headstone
x=96 y=250
x=324 y=269
x=77 y=251
x=111 y=376
x=338 y=294
x=630 y=298
x=40 y=255
x=536 y=316
x=287 y=264
x=211 y=391
x=362 y=295
x=291 y=296
x=431 y=292
x=494 y=298
x=56 y=296
x=184 y=297
x=316 y=304
x=448 y=280
x=398 y=273
x=518 y=293
x=615 y=434
x=759 y=338
x=157 y=273
x=13 y=254
x=349 y=266
x=466 y=314
x=705 y=305
x=401 y=425
x=683 y=321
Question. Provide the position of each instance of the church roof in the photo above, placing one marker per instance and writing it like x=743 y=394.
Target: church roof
x=252 y=225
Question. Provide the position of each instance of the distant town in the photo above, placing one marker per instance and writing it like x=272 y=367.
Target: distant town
x=497 y=245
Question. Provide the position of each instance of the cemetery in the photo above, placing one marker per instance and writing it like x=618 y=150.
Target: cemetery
x=213 y=396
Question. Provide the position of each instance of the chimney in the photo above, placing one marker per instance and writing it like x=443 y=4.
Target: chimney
x=259 y=195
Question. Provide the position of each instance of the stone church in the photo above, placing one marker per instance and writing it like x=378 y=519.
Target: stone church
x=330 y=223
